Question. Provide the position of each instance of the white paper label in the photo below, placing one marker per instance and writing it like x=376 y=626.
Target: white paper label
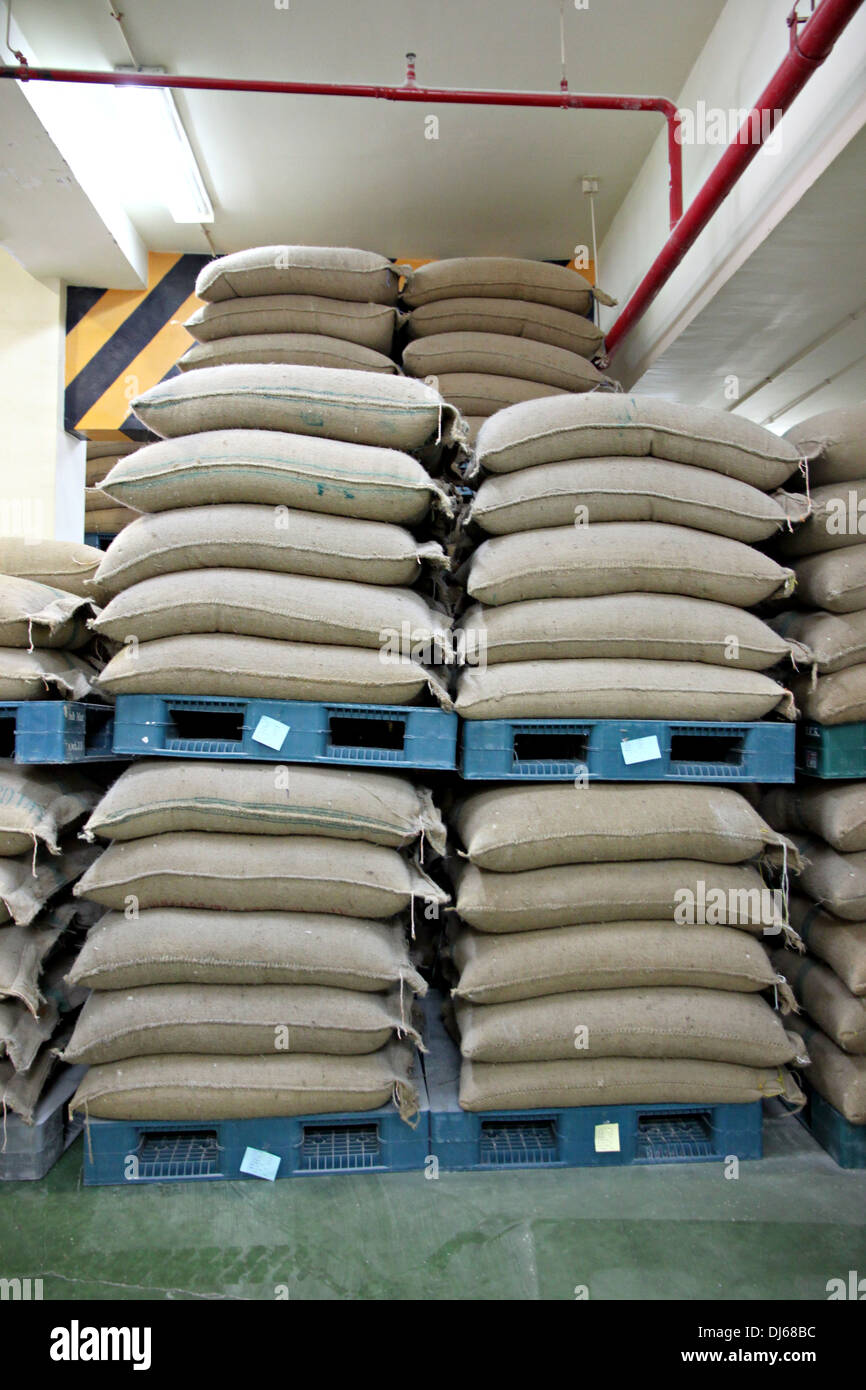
x=607 y=1139
x=640 y=750
x=270 y=732
x=259 y=1164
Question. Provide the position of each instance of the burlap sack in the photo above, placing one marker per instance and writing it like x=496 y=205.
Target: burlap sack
x=33 y=675
x=371 y=325
x=826 y=1000
x=153 y=797
x=336 y=272
x=23 y=951
x=477 y=393
x=287 y=607
x=22 y=1034
x=300 y=349
x=612 y=425
x=840 y=1079
x=36 y=615
x=833 y=812
x=96 y=469
x=629 y=489
x=25 y=887
x=499 y=277
x=539 y=323
x=834 y=444
x=659 y=890
x=497 y=354
x=836 y=881
x=265 y=538
x=254 y=873
x=110 y=448
x=841 y=945
x=618 y=690
x=496 y=969
x=517 y=827
x=619 y=1081
x=36 y=804
x=834 y=642
x=20 y=1091
x=238 y=1020
x=701 y=1024
x=108 y=521
x=835 y=580
x=836 y=519
x=177 y=946
x=839 y=698
x=271 y=468
x=361 y=407
x=60 y=564
x=237 y=1088
x=216 y=663
x=641 y=627
x=623 y=558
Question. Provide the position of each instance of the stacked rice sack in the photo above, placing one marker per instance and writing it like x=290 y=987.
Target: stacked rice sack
x=274 y=552
x=495 y=330
x=622 y=563
x=253 y=960
x=316 y=306
x=609 y=949
x=44 y=612
x=829 y=913
x=40 y=859
x=102 y=515
x=829 y=556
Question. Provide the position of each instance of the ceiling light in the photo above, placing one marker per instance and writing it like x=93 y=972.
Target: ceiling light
x=159 y=153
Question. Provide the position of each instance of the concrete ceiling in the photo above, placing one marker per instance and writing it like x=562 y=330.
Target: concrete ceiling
x=795 y=312
x=362 y=172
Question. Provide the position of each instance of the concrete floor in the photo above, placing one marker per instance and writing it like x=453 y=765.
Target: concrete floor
x=790 y=1222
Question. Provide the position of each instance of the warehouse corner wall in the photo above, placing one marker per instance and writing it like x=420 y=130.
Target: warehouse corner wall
x=42 y=479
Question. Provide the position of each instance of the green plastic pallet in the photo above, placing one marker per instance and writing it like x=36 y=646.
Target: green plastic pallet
x=837 y=750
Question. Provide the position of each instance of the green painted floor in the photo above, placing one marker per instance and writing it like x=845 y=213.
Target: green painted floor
x=786 y=1225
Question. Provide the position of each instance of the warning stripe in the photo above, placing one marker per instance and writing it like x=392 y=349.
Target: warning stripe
x=128 y=335
x=108 y=314
x=156 y=358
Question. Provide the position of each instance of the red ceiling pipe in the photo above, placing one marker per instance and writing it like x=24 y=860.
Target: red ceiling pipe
x=808 y=49
x=569 y=101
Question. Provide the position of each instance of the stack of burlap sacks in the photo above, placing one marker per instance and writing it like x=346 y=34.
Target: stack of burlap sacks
x=496 y=330
x=274 y=558
x=40 y=859
x=44 y=612
x=314 y=306
x=828 y=822
x=254 y=958
x=610 y=948
x=622 y=563
x=102 y=515
x=829 y=558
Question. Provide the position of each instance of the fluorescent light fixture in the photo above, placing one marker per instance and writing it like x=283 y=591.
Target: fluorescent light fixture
x=159 y=152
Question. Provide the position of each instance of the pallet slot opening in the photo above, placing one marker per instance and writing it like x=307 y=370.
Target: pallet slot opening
x=331 y=1148
x=551 y=748
x=348 y=731
x=676 y=1134
x=707 y=748
x=204 y=725
x=7 y=735
x=518 y=1142
x=176 y=1153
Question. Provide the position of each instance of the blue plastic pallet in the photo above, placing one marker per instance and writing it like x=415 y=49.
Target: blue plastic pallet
x=208 y=726
x=844 y=1142
x=558 y=750
x=481 y=1141
x=137 y=1153
x=56 y=731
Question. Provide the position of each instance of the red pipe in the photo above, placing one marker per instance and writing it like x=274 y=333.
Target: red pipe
x=566 y=100
x=807 y=51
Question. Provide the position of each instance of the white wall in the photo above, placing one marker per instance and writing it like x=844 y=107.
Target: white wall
x=742 y=53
